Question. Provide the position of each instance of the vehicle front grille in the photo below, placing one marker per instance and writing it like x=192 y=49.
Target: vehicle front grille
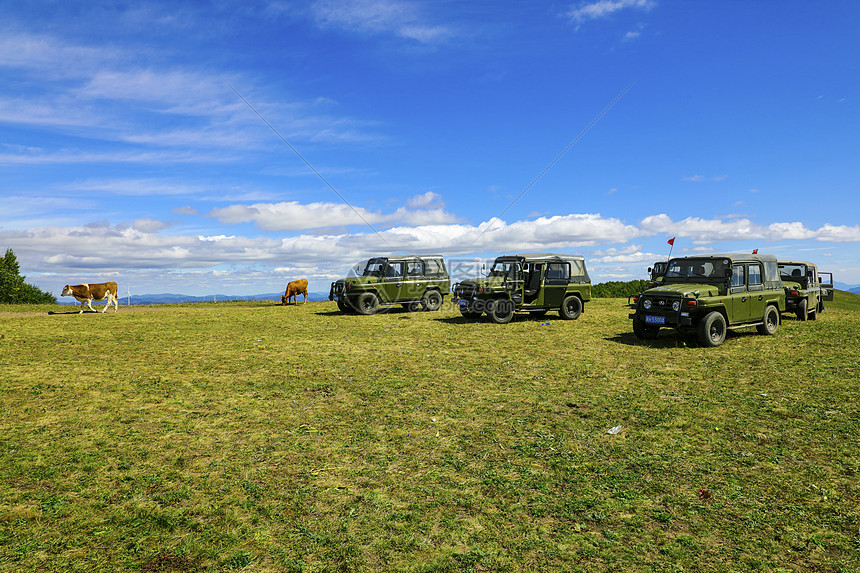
x=464 y=290
x=339 y=288
x=659 y=303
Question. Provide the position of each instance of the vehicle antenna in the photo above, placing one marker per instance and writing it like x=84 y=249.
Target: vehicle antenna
x=300 y=156
x=554 y=161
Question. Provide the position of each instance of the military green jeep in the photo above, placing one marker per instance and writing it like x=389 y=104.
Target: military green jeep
x=414 y=281
x=534 y=283
x=656 y=273
x=805 y=292
x=710 y=294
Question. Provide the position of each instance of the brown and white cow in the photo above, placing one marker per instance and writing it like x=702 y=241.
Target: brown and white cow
x=87 y=293
x=294 y=289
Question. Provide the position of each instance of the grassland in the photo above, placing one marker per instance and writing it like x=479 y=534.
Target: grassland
x=253 y=437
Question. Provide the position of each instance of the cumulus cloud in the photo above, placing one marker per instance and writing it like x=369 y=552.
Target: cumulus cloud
x=88 y=252
x=710 y=230
x=295 y=216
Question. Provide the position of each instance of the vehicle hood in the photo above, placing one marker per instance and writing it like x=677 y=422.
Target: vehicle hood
x=354 y=281
x=688 y=290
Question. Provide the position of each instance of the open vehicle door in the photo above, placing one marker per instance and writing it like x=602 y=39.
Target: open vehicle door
x=826 y=287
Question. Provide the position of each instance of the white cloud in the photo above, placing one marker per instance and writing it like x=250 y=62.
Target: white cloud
x=295 y=216
x=604 y=8
x=400 y=18
x=710 y=230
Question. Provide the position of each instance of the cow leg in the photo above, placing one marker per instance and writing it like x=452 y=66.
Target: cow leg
x=83 y=302
x=89 y=305
x=304 y=301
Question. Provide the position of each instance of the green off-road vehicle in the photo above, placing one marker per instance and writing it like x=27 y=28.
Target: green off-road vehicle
x=805 y=292
x=656 y=273
x=534 y=282
x=708 y=295
x=414 y=281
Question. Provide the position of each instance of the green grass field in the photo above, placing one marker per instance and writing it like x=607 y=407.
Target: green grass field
x=254 y=437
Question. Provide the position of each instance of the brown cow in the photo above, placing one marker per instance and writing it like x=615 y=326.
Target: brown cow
x=87 y=293
x=294 y=289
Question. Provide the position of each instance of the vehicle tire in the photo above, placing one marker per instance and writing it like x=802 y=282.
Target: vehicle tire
x=711 y=331
x=645 y=331
x=801 y=310
x=343 y=306
x=500 y=311
x=367 y=303
x=469 y=312
x=432 y=300
x=571 y=307
x=771 y=321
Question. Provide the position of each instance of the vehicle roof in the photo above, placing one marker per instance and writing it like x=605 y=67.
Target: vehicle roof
x=795 y=263
x=404 y=257
x=732 y=256
x=545 y=256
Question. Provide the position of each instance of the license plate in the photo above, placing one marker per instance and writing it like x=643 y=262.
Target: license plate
x=655 y=319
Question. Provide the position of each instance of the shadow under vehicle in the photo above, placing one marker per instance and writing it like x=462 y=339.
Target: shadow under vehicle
x=531 y=282
x=413 y=281
x=707 y=295
x=805 y=291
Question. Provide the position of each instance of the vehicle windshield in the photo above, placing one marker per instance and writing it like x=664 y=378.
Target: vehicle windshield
x=697 y=268
x=374 y=267
x=509 y=269
x=792 y=271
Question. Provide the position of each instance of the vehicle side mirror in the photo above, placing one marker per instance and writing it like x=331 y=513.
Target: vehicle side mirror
x=729 y=273
x=649 y=270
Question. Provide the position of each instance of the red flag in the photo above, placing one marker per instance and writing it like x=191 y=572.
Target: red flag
x=755 y=251
x=672 y=241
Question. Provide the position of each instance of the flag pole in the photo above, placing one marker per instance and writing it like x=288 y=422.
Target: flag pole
x=671 y=246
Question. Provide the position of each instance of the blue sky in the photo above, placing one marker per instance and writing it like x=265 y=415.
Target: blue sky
x=128 y=151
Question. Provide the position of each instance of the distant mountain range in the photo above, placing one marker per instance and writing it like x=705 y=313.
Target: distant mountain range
x=171 y=298
x=847 y=287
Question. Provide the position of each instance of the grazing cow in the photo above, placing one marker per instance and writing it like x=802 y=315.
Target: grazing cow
x=294 y=289
x=87 y=293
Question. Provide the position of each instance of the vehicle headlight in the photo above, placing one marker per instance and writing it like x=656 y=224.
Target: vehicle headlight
x=646 y=304
x=676 y=306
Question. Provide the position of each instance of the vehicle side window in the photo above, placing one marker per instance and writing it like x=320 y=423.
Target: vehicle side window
x=755 y=275
x=394 y=270
x=433 y=267
x=414 y=268
x=558 y=271
x=738 y=276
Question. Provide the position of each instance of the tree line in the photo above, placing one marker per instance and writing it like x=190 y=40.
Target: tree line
x=618 y=289
x=13 y=289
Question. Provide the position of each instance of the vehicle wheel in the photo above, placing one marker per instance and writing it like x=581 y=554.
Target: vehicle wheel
x=469 y=312
x=712 y=329
x=343 y=306
x=645 y=331
x=500 y=311
x=571 y=307
x=771 y=321
x=801 y=310
x=432 y=300
x=367 y=303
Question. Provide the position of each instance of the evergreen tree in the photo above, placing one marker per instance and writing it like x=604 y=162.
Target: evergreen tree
x=13 y=289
